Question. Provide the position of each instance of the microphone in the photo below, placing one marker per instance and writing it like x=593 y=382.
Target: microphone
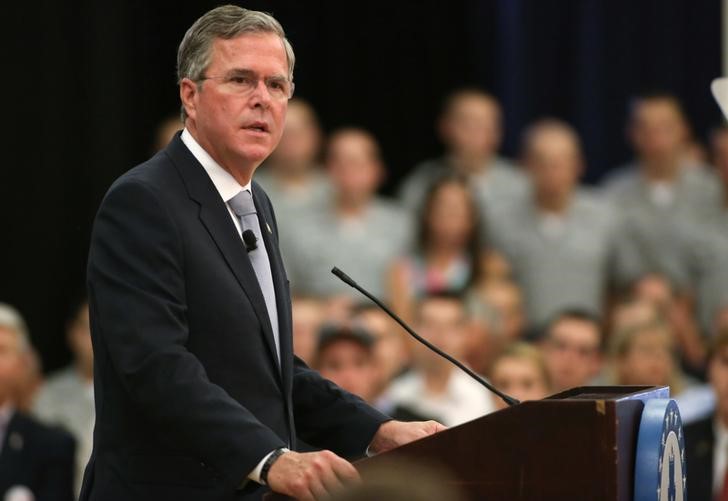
x=251 y=241
x=349 y=281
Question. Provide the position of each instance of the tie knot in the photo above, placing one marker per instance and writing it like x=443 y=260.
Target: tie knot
x=242 y=204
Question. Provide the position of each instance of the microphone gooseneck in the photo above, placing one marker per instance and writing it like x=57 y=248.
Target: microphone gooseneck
x=349 y=281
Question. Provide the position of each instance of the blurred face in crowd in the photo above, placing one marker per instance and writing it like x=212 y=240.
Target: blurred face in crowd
x=553 y=159
x=719 y=147
x=389 y=350
x=718 y=376
x=441 y=321
x=571 y=350
x=238 y=129
x=519 y=377
x=658 y=131
x=349 y=364
x=654 y=289
x=506 y=298
x=166 y=131
x=634 y=313
x=354 y=166
x=301 y=140
x=470 y=126
x=11 y=363
x=307 y=316
x=450 y=219
x=648 y=359
x=79 y=340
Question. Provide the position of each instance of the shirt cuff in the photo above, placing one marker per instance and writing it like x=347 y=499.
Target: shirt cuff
x=255 y=474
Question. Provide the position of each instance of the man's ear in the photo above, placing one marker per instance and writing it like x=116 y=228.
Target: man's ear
x=187 y=94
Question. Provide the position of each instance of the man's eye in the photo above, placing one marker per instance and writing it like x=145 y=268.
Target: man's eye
x=240 y=80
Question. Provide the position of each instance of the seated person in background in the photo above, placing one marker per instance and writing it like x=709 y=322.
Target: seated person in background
x=357 y=231
x=560 y=238
x=67 y=397
x=391 y=356
x=470 y=128
x=449 y=254
x=711 y=289
x=486 y=339
x=434 y=387
x=706 y=440
x=166 y=129
x=506 y=298
x=659 y=198
x=345 y=355
x=36 y=461
x=30 y=382
x=677 y=311
x=644 y=354
x=520 y=371
x=572 y=349
x=292 y=176
x=308 y=316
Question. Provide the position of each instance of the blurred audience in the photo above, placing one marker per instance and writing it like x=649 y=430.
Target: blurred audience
x=36 y=461
x=706 y=440
x=391 y=356
x=434 y=387
x=449 y=254
x=659 y=197
x=572 y=349
x=67 y=397
x=470 y=128
x=521 y=372
x=559 y=239
x=166 y=129
x=357 y=231
x=505 y=297
x=293 y=177
x=344 y=355
x=308 y=316
x=486 y=338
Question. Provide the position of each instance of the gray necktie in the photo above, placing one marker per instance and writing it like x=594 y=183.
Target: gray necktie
x=243 y=206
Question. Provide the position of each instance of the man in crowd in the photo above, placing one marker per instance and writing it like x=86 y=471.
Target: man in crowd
x=358 y=231
x=198 y=394
x=659 y=197
x=470 y=128
x=572 y=348
x=434 y=387
x=36 y=461
x=561 y=237
x=706 y=440
x=66 y=399
x=293 y=177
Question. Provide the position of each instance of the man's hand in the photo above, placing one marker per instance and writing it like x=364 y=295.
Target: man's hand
x=395 y=433
x=310 y=476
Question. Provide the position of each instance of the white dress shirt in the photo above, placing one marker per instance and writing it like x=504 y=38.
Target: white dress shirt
x=6 y=413
x=227 y=186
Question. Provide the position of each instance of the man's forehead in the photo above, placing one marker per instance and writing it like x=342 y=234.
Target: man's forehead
x=250 y=51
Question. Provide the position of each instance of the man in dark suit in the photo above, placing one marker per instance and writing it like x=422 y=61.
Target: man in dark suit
x=36 y=461
x=198 y=394
x=706 y=441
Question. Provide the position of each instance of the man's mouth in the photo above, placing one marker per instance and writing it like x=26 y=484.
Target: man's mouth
x=257 y=127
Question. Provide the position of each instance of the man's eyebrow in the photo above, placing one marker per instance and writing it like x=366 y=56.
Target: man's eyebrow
x=246 y=71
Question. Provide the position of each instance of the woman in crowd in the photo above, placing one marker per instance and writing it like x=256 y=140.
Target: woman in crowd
x=520 y=371
x=448 y=255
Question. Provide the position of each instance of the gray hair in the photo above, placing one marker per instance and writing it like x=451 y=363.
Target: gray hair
x=226 y=22
x=11 y=319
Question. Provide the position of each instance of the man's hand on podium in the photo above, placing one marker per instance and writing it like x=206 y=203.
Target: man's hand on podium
x=395 y=433
x=311 y=475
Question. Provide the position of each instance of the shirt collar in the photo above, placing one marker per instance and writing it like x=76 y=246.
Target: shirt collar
x=226 y=185
x=6 y=413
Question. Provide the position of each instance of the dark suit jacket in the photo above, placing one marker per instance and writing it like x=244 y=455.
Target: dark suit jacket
x=699 y=444
x=189 y=396
x=39 y=458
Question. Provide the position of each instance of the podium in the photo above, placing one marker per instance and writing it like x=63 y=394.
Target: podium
x=576 y=445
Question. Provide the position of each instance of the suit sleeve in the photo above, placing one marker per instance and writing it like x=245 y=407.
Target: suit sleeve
x=137 y=296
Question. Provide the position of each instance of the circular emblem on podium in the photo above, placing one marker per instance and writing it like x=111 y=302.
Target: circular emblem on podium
x=660 y=473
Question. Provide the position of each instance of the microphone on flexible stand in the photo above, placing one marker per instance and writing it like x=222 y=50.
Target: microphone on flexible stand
x=250 y=240
x=349 y=281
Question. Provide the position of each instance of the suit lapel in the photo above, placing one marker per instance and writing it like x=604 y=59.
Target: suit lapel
x=216 y=218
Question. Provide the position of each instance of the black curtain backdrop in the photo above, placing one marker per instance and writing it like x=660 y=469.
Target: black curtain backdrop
x=88 y=81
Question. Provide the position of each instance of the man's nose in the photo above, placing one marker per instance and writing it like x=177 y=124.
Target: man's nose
x=260 y=96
